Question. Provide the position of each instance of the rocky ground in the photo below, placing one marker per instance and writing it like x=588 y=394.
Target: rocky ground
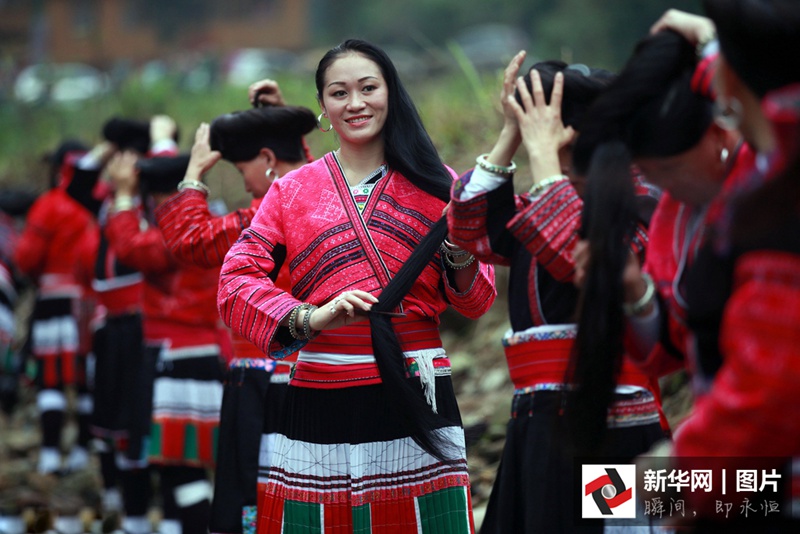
x=482 y=385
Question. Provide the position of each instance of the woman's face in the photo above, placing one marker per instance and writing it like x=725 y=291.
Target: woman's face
x=355 y=99
x=694 y=176
x=254 y=173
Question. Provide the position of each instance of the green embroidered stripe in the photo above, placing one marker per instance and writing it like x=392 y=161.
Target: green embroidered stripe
x=444 y=512
x=154 y=448
x=302 y=518
x=190 y=447
x=362 y=520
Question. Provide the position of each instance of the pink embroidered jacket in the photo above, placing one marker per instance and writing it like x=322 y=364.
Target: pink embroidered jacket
x=310 y=220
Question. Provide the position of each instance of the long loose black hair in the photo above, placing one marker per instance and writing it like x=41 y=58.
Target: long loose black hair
x=649 y=110
x=407 y=146
x=609 y=222
x=409 y=150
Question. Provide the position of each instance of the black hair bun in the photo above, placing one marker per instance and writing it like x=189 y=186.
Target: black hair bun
x=162 y=174
x=128 y=134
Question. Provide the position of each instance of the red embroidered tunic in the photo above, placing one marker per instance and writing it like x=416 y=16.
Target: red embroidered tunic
x=47 y=248
x=197 y=237
x=677 y=231
x=311 y=218
x=178 y=299
x=745 y=412
x=535 y=236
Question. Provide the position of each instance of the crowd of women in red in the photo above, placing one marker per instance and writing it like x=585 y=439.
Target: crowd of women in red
x=292 y=350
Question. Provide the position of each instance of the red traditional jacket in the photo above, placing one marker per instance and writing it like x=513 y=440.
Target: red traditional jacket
x=47 y=248
x=194 y=235
x=751 y=406
x=310 y=218
x=753 y=396
x=179 y=300
x=677 y=231
x=535 y=236
x=197 y=237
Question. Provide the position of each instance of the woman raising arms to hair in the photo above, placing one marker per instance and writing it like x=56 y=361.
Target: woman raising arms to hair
x=263 y=144
x=747 y=320
x=371 y=437
x=658 y=114
x=534 y=234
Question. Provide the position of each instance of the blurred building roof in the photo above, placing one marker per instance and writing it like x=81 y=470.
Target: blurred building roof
x=101 y=32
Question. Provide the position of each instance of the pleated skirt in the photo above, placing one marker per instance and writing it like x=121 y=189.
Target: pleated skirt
x=536 y=489
x=240 y=436
x=178 y=410
x=119 y=356
x=342 y=464
x=55 y=343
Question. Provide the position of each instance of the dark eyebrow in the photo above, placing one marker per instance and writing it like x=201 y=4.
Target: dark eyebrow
x=359 y=80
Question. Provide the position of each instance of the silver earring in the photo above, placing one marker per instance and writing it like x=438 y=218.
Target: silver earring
x=723 y=155
x=319 y=123
x=269 y=172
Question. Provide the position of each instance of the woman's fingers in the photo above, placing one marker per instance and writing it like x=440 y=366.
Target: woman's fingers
x=557 y=93
x=525 y=95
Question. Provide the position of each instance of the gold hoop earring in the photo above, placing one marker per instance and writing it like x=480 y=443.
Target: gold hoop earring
x=319 y=124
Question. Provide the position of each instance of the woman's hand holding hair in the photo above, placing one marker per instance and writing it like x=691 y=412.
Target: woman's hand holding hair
x=509 y=140
x=202 y=157
x=695 y=28
x=348 y=308
x=543 y=132
x=266 y=93
x=634 y=285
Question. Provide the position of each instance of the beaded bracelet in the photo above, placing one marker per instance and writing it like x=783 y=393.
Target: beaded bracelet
x=194 y=184
x=307 y=332
x=123 y=203
x=452 y=250
x=635 y=308
x=539 y=187
x=482 y=162
x=453 y=265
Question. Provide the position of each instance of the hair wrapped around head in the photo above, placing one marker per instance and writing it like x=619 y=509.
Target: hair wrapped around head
x=162 y=174
x=128 y=134
x=582 y=85
x=760 y=40
x=241 y=135
x=650 y=106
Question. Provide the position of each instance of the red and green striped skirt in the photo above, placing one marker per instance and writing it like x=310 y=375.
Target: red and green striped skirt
x=341 y=462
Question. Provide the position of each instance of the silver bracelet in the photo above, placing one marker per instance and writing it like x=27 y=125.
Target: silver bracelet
x=194 y=184
x=635 y=308
x=452 y=250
